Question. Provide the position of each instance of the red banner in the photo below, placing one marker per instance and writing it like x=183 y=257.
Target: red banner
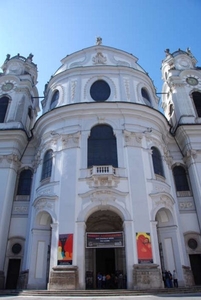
x=65 y=249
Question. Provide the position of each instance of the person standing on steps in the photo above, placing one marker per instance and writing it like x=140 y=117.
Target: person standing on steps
x=99 y=279
x=175 y=281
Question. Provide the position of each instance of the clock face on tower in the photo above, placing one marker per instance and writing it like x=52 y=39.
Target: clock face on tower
x=7 y=86
x=192 y=81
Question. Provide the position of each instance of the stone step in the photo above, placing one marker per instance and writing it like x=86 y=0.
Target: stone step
x=102 y=293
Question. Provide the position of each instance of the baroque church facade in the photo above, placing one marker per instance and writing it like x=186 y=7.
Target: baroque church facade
x=102 y=182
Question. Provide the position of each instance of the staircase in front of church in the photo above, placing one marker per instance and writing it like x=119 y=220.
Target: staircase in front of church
x=90 y=294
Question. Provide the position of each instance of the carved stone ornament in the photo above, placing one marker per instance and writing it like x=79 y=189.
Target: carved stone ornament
x=164 y=200
x=190 y=155
x=73 y=89
x=41 y=204
x=168 y=159
x=103 y=181
x=103 y=196
x=127 y=88
x=20 y=208
x=99 y=59
x=160 y=187
x=132 y=138
x=8 y=160
x=174 y=85
x=189 y=205
x=71 y=140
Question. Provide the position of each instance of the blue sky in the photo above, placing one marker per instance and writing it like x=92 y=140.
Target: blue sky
x=52 y=29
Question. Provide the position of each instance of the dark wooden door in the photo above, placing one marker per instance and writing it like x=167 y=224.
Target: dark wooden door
x=13 y=273
x=195 y=260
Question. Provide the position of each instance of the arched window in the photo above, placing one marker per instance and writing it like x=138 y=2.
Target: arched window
x=54 y=100
x=24 y=184
x=102 y=147
x=197 y=101
x=157 y=161
x=180 y=179
x=47 y=165
x=145 y=96
x=171 y=110
x=3 y=108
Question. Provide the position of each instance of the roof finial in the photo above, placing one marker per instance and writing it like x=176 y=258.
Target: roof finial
x=98 y=40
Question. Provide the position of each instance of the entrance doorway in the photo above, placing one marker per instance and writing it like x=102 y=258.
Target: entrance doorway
x=13 y=273
x=195 y=260
x=105 y=260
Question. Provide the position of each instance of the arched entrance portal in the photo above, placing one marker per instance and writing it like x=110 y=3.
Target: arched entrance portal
x=105 y=250
x=169 y=239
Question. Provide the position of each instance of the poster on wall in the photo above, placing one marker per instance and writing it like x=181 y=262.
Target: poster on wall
x=65 y=249
x=104 y=239
x=144 y=248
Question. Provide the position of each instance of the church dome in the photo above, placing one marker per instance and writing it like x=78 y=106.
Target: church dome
x=99 y=74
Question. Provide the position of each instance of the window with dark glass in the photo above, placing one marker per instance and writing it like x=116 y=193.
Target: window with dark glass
x=100 y=91
x=102 y=147
x=30 y=112
x=3 y=108
x=157 y=161
x=180 y=179
x=55 y=99
x=145 y=96
x=47 y=165
x=197 y=101
x=24 y=184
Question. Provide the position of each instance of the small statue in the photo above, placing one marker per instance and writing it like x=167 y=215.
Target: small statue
x=30 y=56
x=7 y=56
x=98 y=40
x=167 y=52
x=188 y=51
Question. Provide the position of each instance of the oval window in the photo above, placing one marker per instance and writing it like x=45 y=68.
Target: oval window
x=100 y=91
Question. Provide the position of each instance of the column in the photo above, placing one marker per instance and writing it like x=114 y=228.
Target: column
x=54 y=245
x=79 y=253
x=154 y=243
x=131 y=254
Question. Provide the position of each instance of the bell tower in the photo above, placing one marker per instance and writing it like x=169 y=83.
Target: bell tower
x=18 y=93
x=181 y=88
